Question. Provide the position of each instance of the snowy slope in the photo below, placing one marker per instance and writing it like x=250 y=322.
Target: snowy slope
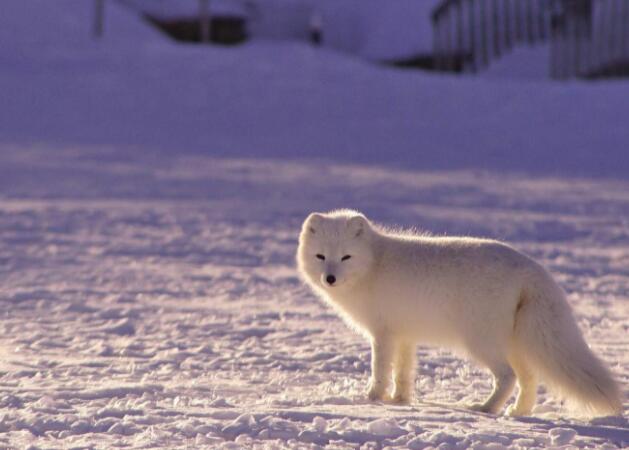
x=369 y=28
x=150 y=200
x=291 y=100
x=377 y=30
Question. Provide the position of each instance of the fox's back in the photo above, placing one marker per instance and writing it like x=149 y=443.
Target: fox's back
x=449 y=256
x=441 y=286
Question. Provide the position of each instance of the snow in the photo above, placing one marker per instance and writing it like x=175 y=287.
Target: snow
x=185 y=8
x=526 y=62
x=150 y=200
x=561 y=436
x=385 y=427
x=400 y=30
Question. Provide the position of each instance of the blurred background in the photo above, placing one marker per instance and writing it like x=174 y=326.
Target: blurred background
x=523 y=85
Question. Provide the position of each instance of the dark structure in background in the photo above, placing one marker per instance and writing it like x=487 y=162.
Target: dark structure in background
x=223 y=29
x=218 y=28
x=316 y=32
x=587 y=38
x=99 y=19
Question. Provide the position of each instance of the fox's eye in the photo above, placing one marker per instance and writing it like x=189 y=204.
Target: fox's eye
x=320 y=256
x=346 y=257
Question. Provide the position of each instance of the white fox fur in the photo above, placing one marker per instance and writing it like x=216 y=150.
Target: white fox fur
x=480 y=296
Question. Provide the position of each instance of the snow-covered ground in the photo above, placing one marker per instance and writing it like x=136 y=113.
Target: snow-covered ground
x=154 y=302
x=150 y=200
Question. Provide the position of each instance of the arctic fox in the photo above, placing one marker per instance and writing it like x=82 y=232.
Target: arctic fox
x=479 y=296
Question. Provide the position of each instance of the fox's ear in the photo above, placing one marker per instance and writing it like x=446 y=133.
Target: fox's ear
x=312 y=222
x=357 y=225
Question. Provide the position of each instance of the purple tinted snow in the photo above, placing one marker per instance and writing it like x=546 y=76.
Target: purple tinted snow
x=123 y=327
x=309 y=104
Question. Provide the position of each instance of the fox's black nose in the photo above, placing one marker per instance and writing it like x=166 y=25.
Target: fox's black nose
x=331 y=279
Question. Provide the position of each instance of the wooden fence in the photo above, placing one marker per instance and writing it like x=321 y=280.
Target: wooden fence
x=607 y=51
x=587 y=38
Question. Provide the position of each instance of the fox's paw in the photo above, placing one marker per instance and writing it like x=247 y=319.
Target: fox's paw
x=401 y=399
x=514 y=411
x=375 y=395
x=377 y=392
x=402 y=396
x=481 y=407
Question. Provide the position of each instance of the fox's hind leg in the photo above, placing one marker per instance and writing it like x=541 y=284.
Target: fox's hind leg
x=527 y=386
x=404 y=372
x=504 y=382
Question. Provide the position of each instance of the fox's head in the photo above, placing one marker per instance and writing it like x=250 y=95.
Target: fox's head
x=335 y=249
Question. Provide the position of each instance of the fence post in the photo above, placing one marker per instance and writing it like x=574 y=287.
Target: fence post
x=616 y=37
x=577 y=37
x=472 y=34
x=436 y=44
x=624 y=32
x=530 y=22
x=567 y=48
x=204 y=19
x=460 y=45
x=583 y=35
x=495 y=28
x=598 y=39
x=543 y=23
x=589 y=40
x=613 y=37
x=506 y=13
x=555 y=45
x=99 y=18
x=447 y=24
x=483 y=34
x=519 y=32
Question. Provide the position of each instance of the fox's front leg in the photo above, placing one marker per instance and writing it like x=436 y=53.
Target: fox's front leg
x=404 y=372
x=382 y=349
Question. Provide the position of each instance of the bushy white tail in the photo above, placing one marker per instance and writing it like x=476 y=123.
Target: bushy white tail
x=548 y=335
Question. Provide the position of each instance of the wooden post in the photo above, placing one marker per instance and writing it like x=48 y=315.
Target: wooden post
x=519 y=34
x=204 y=20
x=601 y=30
x=530 y=22
x=590 y=40
x=483 y=34
x=583 y=36
x=617 y=34
x=99 y=18
x=566 y=48
x=624 y=32
x=495 y=28
x=506 y=15
x=606 y=32
x=436 y=40
x=577 y=39
x=557 y=45
x=447 y=25
x=471 y=27
x=553 y=49
x=611 y=40
x=620 y=35
x=460 y=45
x=543 y=10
